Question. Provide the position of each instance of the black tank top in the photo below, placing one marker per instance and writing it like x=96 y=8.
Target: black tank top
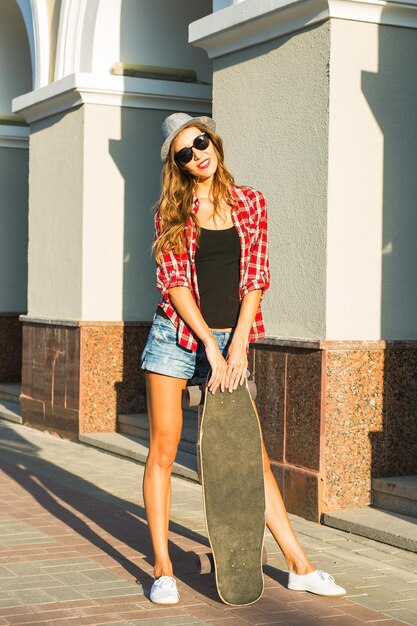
x=217 y=263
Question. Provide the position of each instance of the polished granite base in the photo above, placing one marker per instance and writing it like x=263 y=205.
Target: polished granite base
x=334 y=416
x=79 y=376
x=10 y=348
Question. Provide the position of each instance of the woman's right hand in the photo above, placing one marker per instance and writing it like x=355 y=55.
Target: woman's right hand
x=218 y=364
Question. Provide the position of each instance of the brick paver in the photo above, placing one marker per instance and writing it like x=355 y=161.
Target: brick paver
x=74 y=550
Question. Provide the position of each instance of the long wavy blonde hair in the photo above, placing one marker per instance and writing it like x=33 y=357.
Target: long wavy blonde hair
x=176 y=199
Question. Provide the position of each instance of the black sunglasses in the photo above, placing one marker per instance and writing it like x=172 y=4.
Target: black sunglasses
x=186 y=154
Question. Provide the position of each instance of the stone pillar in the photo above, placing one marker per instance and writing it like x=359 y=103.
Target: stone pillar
x=325 y=129
x=94 y=177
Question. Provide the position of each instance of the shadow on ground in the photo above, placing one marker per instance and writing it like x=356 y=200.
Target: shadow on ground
x=56 y=489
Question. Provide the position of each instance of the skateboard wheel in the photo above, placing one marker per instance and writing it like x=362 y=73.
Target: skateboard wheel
x=264 y=556
x=192 y=396
x=252 y=389
x=205 y=562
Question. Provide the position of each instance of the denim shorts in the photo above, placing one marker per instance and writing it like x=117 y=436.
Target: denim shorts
x=163 y=355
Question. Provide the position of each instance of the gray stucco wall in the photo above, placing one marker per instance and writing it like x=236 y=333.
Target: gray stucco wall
x=15 y=64
x=156 y=33
x=123 y=164
x=55 y=216
x=14 y=229
x=271 y=108
x=94 y=178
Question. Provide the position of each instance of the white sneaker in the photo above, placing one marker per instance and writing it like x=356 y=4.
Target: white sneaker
x=317 y=582
x=164 y=591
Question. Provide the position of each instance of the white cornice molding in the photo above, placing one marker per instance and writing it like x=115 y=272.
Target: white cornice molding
x=252 y=22
x=12 y=136
x=139 y=93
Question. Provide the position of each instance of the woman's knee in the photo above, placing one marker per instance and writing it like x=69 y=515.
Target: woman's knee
x=162 y=453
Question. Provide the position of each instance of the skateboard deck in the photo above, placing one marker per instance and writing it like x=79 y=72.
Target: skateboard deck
x=232 y=478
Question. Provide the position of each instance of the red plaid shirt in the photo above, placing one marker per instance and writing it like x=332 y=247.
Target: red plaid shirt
x=178 y=270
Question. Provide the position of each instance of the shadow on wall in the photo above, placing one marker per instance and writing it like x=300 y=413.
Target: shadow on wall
x=136 y=155
x=137 y=158
x=392 y=96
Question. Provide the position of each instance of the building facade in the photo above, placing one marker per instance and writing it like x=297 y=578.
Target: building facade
x=316 y=102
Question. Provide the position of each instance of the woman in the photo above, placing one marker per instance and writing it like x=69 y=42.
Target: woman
x=205 y=227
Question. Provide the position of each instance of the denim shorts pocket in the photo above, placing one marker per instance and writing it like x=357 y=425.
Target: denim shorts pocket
x=164 y=331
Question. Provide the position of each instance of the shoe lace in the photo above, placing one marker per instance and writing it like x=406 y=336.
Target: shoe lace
x=166 y=582
x=325 y=576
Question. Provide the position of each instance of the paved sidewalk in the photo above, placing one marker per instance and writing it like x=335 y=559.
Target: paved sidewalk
x=74 y=550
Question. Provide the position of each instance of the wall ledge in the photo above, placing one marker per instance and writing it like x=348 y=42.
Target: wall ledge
x=335 y=345
x=253 y=22
x=139 y=93
x=13 y=136
x=28 y=319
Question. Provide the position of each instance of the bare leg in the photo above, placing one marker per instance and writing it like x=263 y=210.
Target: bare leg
x=280 y=526
x=165 y=424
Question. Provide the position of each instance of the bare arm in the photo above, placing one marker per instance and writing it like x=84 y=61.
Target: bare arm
x=255 y=284
x=184 y=303
x=248 y=309
x=237 y=357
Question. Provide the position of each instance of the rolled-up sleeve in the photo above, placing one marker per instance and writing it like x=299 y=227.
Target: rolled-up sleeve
x=257 y=272
x=170 y=269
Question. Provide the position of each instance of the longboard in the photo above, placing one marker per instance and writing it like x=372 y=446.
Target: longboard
x=232 y=477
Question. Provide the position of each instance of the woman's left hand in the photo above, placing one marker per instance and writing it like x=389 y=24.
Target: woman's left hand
x=237 y=364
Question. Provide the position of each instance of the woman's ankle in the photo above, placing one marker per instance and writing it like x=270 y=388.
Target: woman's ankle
x=300 y=567
x=163 y=570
